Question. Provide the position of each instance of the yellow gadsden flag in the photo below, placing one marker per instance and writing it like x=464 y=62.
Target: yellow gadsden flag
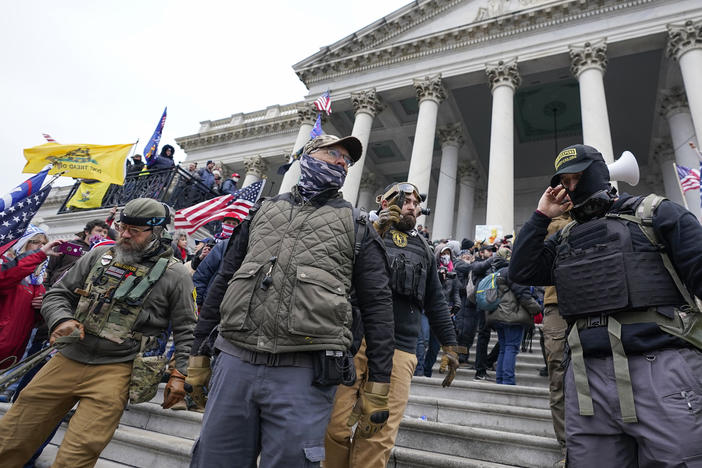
x=103 y=163
x=89 y=195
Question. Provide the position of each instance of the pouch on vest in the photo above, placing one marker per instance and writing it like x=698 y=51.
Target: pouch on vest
x=487 y=295
x=147 y=372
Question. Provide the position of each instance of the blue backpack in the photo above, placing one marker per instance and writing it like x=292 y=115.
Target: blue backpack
x=487 y=295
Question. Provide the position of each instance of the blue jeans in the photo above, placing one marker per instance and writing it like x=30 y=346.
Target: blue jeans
x=510 y=339
x=422 y=344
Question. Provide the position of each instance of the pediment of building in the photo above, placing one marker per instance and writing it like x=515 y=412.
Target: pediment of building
x=433 y=26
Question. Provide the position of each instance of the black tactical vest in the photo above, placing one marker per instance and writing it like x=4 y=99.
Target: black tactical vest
x=409 y=264
x=600 y=271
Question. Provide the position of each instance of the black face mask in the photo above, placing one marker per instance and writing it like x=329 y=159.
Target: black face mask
x=594 y=206
x=594 y=179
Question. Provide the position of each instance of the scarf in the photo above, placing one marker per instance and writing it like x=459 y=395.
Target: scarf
x=317 y=176
x=37 y=277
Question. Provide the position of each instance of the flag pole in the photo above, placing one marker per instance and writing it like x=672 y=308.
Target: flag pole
x=131 y=153
x=682 y=193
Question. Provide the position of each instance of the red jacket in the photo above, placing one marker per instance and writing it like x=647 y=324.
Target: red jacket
x=17 y=316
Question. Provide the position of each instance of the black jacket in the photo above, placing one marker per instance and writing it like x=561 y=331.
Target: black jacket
x=676 y=228
x=370 y=281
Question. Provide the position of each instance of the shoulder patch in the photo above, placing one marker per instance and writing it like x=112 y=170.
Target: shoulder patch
x=399 y=238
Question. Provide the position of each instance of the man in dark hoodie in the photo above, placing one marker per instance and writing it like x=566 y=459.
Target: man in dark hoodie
x=625 y=271
x=163 y=160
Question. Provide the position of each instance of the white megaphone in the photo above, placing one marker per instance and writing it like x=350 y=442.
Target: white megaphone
x=624 y=169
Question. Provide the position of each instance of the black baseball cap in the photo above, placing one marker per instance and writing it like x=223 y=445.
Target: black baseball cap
x=575 y=158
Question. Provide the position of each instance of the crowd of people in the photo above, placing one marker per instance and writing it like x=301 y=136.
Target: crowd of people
x=298 y=330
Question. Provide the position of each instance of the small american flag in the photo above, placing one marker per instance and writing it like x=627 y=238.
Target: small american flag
x=689 y=178
x=48 y=138
x=323 y=103
x=15 y=219
x=194 y=217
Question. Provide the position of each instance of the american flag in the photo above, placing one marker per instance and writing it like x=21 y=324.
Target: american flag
x=323 y=103
x=196 y=216
x=48 y=138
x=689 y=178
x=23 y=190
x=15 y=219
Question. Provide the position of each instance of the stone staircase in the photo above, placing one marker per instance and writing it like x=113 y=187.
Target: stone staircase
x=468 y=425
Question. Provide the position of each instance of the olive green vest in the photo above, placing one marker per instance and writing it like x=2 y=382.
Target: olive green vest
x=291 y=291
x=112 y=296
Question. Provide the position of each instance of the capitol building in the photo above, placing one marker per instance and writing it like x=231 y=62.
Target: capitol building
x=471 y=100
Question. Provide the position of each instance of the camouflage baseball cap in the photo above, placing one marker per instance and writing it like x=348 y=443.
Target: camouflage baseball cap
x=352 y=145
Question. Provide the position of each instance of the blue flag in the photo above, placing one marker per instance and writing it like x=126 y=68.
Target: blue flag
x=317 y=129
x=23 y=190
x=15 y=219
x=152 y=146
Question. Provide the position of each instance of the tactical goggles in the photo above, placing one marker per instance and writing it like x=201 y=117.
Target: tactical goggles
x=395 y=190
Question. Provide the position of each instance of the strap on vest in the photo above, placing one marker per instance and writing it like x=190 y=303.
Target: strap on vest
x=621 y=371
x=582 y=386
x=151 y=278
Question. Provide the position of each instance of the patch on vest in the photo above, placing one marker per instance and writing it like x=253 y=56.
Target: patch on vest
x=131 y=268
x=115 y=271
x=106 y=259
x=399 y=238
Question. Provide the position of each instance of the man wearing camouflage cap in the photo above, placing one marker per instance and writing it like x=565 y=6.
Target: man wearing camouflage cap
x=114 y=298
x=285 y=328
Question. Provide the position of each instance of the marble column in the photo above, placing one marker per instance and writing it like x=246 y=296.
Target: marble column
x=674 y=107
x=468 y=177
x=504 y=79
x=451 y=140
x=367 y=105
x=366 y=194
x=306 y=116
x=256 y=169
x=430 y=93
x=588 y=64
x=685 y=46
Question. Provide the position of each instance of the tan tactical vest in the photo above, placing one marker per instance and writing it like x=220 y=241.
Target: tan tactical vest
x=291 y=291
x=112 y=297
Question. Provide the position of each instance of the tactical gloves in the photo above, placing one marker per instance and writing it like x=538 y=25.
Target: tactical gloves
x=175 y=389
x=386 y=218
x=371 y=411
x=452 y=357
x=198 y=378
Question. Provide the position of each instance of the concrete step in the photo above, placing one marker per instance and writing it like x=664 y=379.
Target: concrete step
x=151 y=417
x=530 y=379
x=479 y=414
x=476 y=443
x=48 y=455
x=481 y=391
x=403 y=457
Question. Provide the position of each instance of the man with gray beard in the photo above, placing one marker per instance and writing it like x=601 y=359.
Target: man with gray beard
x=109 y=305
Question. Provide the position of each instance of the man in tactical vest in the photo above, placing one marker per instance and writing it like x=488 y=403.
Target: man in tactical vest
x=283 y=295
x=103 y=311
x=415 y=286
x=624 y=272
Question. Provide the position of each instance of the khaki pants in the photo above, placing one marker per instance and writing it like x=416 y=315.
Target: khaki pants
x=554 y=328
x=102 y=391
x=374 y=452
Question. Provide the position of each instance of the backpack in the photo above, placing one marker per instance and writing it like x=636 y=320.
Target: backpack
x=470 y=288
x=487 y=295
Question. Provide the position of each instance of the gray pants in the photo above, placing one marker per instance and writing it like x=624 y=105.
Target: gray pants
x=667 y=388
x=255 y=409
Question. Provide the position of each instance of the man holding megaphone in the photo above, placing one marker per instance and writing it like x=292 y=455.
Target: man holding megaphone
x=625 y=272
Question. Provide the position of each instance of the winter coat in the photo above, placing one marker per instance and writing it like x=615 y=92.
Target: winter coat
x=17 y=316
x=59 y=265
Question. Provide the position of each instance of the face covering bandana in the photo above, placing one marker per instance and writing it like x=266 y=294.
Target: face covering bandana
x=317 y=176
x=445 y=259
x=227 y=230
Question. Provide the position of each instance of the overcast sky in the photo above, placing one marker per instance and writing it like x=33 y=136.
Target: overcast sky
x=101 y=72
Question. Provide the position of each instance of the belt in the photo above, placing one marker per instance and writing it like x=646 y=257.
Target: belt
x=261 y=358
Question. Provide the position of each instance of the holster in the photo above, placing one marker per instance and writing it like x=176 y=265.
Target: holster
x=333 y=368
